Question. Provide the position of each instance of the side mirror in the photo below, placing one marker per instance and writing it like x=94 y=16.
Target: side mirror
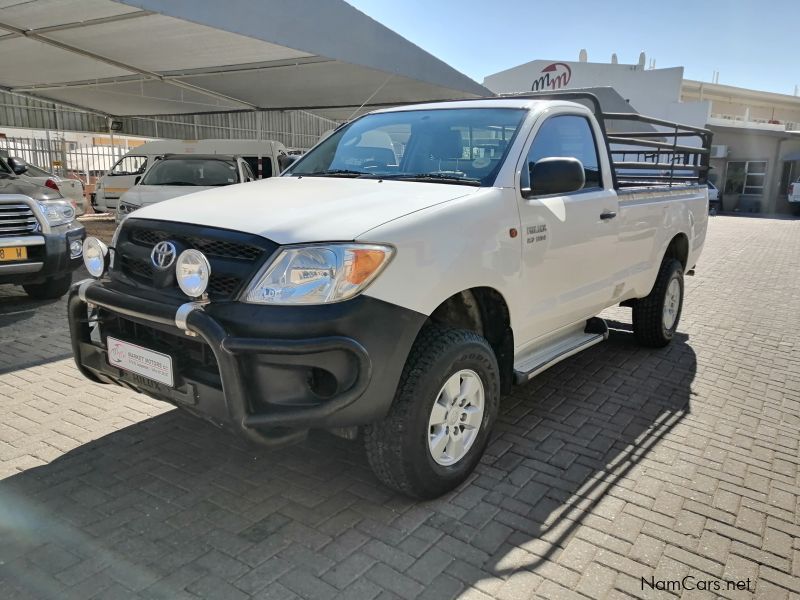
x=286 y=160
x=137 y=180
x=17 y=165
x=555 y=175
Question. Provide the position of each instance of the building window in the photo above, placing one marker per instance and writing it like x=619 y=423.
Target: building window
x=746 y=177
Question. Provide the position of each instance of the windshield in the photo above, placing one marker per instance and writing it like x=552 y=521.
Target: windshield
x=192 y=171
x=453 y=145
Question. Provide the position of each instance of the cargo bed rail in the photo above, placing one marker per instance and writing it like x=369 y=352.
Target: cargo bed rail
x=660 y=153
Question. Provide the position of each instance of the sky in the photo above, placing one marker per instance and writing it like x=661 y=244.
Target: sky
x=752 y=43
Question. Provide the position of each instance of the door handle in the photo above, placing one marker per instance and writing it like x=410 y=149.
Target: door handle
x=608 y=214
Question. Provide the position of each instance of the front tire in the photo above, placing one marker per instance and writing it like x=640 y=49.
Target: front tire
x=50 y=289
x=443 y=411
x=656 y=317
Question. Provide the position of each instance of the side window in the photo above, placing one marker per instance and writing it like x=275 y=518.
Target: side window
x=266 y=165
x=248 y=173
x=566 y=135
x=129 y=165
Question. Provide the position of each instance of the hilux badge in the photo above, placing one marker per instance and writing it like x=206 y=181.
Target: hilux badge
x=163 y=255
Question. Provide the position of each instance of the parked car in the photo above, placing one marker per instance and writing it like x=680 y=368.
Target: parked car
x=713 y=192
x=264 y=157
x=69 y=188
x=395 y=291
x=794 y=196
x=714 y=198
x=40 y=240
x=180 y=174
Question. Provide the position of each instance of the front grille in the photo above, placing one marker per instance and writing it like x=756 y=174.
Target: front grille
x=234 y=256
x=208 y=247
x=142 y=269
x=17 y=218
x=223 y=286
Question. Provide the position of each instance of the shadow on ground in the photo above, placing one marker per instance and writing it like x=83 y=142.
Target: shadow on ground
x=32 y=332
x=171 y=506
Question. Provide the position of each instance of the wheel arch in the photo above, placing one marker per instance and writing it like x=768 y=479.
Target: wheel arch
x=485 y=311
x=678 y=248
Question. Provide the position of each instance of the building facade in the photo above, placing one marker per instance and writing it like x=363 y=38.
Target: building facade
x=756 y=151
x=655 y=92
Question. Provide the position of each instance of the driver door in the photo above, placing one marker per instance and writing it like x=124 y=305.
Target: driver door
x=569 y=240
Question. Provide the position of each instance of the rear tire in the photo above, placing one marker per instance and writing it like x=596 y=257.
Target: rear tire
x=52 y=288
x=445 y=405
x=656 y=317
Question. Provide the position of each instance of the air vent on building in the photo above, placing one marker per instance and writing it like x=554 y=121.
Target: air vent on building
x=719 y=151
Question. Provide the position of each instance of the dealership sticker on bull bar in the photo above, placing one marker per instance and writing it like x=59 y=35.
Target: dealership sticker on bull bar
x=144 y=362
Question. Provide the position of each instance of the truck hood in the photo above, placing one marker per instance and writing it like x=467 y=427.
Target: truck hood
x=292 y=210
x=144 y=195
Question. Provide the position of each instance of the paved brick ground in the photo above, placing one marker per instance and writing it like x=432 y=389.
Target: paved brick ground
x=619 y=464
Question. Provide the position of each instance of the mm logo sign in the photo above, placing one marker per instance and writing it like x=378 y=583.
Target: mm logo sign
x=554 y=76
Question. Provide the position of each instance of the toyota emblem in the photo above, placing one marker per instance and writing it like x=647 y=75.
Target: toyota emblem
x=163 y=255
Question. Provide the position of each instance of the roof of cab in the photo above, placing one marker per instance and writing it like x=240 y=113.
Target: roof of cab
x=526 y=103
x=178 y=156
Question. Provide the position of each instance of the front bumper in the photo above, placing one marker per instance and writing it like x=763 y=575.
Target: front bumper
x=276 y=371
x=48 y=255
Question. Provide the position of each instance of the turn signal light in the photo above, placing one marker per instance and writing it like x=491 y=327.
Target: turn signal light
x=363 y=265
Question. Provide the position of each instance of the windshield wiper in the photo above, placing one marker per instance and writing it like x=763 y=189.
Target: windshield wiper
x=437 y=177
x=174 y=183
x=333 y=173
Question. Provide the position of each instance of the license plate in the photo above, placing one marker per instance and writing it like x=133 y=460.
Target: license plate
x=135 y=359
x=14 y=253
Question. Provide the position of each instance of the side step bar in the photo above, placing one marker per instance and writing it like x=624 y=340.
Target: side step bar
x=595 y=332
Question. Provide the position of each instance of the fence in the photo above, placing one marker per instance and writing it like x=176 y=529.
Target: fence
x=88 y=162
x=293 y=128
x=64 y=157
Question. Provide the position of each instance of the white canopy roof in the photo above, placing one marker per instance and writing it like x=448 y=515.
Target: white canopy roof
x=148 y=57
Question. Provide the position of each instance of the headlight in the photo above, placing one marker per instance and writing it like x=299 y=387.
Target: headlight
x=75 y=249
x=319 y=274
x=95 y=253
x=192 y=272
x=57 y=212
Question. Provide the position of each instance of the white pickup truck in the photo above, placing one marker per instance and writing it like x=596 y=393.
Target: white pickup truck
x=401 y=276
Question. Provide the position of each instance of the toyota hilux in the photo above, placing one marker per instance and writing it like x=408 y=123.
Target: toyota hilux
x=401 y=276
